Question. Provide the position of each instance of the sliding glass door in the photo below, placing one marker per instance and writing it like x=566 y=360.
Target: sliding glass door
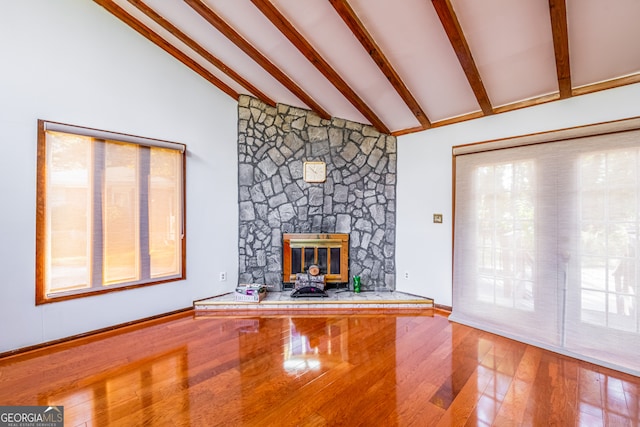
x=602 y=271
x=502 y=244
x=545 y=248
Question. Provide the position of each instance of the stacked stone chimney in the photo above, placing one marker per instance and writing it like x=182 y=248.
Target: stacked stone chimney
x=358 y=197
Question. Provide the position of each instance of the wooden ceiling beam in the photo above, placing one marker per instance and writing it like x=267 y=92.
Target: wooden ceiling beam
x=440 y=123
x=607 y=84
x=456 y=37
x=357 y=28
x=217 y=22
x=150 y=35
x=216 y=62
x=558 y=13
x=298 y=40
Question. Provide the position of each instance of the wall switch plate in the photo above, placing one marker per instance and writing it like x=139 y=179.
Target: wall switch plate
x=437 y=218
x=223 y=276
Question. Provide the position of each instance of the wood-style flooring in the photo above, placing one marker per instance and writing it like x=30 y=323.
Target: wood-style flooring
x=385 y=369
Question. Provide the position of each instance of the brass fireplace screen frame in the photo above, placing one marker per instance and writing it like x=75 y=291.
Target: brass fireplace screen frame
x=329 y=251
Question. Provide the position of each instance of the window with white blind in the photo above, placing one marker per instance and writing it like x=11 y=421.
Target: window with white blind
x=546 y=234
x=110 y=211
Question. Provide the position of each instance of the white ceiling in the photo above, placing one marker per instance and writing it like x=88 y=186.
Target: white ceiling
x=443 y=61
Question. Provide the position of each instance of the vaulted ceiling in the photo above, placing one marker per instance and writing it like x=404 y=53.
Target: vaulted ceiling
x=400 y=65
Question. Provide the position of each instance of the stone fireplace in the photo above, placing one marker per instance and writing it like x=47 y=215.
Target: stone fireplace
x=358 y=197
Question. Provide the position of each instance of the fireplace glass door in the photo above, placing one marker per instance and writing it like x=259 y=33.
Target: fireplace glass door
x=327 y=259
x=328 y=251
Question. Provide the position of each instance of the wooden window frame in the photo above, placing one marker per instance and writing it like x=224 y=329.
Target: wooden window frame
x=41 y=296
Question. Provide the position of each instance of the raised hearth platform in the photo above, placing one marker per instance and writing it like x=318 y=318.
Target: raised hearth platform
x=336 y=299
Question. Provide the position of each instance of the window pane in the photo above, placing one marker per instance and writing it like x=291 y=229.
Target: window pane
x=593 y=272
x=68 y=201
x=335 y=261
x=120 y=204
x=622 y=312
x=505 y=233
x=296 y=260
x=165 y=227
x=608 y=184
x=322 y=260
x=309 y=258
x=593 y=307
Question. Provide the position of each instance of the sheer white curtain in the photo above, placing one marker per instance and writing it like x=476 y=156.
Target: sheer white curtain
x=546 y=239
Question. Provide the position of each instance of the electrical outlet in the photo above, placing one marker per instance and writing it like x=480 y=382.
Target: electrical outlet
x=223 y=276
x=406 y=275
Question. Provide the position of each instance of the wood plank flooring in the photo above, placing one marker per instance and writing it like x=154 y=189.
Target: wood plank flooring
x=315 y=370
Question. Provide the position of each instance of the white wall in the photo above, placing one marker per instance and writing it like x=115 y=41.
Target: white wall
x=425 y=179
x=71 y=61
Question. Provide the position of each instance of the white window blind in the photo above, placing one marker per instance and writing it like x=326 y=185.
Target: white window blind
x=546 y=242
x=112 y=211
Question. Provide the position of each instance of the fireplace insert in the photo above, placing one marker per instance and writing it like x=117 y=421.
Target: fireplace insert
x=330 y=252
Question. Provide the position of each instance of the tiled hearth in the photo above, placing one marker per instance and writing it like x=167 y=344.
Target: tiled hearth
x=337 y=299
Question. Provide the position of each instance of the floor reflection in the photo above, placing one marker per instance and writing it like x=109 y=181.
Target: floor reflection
x=125 y=395
x=315 y=342
x=389 y=370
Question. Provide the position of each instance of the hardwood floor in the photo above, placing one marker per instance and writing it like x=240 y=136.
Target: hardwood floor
x=315 y=370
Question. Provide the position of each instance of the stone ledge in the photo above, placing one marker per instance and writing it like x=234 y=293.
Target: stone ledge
x=336 y=300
